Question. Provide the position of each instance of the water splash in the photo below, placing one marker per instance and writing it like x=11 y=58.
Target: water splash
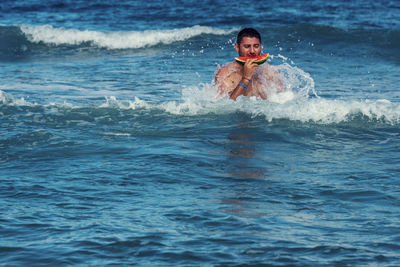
x=10 y=100
x=299 y=102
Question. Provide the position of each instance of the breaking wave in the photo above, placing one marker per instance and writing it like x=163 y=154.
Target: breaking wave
x=50 y=35
x=299 y=102
x=201 y=101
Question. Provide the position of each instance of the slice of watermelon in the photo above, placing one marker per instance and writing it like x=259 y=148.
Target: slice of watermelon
x=259 y=59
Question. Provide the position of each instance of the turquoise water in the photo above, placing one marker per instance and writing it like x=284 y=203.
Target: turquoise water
x=115 y=149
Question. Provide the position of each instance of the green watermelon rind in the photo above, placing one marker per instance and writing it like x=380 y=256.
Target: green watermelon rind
x=259 y=62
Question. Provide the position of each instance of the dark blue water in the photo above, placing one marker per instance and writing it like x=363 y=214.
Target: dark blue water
x=116 y=150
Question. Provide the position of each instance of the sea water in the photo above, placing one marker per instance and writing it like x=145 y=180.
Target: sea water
x=116 y=150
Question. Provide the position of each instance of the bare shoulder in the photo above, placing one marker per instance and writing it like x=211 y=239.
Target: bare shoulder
x=224 y=71
x=226 y=78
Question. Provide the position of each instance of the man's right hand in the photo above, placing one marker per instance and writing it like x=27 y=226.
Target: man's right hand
x=249 y=68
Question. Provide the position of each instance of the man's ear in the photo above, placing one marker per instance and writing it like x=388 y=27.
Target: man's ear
x=237 y=47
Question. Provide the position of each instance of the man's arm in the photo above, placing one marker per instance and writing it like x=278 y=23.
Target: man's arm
x=229 y=84
x=232 y=83
x=248 y=71
x=240 y=89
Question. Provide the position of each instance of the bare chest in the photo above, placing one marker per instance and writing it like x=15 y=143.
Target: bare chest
x=255 y=85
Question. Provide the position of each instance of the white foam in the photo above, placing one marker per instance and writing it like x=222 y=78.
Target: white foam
x=115 y=40
x=331 y=111
x=8 y=99
x=117 y=134
x=298 y=103
x=282 y=97
x=203 y=100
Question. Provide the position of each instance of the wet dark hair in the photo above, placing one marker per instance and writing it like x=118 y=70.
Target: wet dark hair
x=247 y=32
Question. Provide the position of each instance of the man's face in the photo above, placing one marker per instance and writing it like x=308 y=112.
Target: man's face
x=250 y=46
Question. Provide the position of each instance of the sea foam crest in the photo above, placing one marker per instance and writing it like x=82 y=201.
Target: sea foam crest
x=202 y=100
x=299 y=102
x=10 y=100
x=289 y=106
x=115 y=40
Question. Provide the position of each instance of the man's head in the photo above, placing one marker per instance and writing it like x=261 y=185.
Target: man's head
x=248 y=42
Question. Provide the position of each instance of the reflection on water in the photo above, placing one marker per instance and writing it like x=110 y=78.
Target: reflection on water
x=246 y=164
x=241 y=153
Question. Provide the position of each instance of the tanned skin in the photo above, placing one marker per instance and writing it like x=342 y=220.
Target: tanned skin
x=228 y=77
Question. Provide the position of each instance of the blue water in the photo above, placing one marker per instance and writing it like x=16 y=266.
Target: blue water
x=116 y=150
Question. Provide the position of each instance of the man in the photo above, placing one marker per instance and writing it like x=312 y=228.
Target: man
x=249 y=79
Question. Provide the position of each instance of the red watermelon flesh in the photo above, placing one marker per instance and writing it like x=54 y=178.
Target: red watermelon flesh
x=259 y=59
